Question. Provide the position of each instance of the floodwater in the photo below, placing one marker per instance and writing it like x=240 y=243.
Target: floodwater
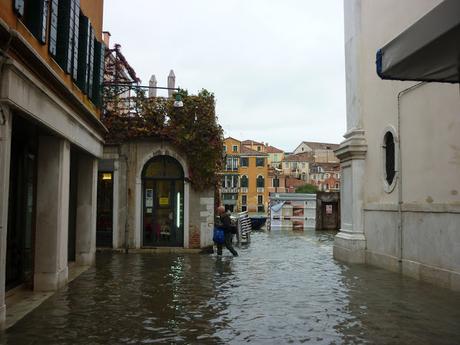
x=284 y=288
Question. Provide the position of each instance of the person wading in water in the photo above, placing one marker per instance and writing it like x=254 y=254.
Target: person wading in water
x=226 y=224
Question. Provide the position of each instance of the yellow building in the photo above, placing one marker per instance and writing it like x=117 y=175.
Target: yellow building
x=245 y=178
x=51 y=69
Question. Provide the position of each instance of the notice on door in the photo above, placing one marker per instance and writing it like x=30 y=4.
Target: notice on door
x=149 y=198
x=164 y=201
x=328 y=209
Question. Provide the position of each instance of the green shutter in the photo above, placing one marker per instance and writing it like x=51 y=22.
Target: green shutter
x=89 y=79
x=75 y=21
x=19 y=7
x=36 y=18
x=67 y=35
x=83 y=46
x=53 y=28
x=98 y=77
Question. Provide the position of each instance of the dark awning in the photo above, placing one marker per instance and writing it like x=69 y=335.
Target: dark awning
x=429 y=50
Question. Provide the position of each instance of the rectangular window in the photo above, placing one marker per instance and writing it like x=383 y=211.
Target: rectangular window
x=244 y=208
x=235 y=163
x=260 y=199
x=225 y=148
x=99 y=63
x=91 y=63
x=53 y=28
x=260 y=208
x=228 y=166
x=260 y=162
x=67 y=35
x=84 y=52
x=244 y=199
x=235 y=148
x=244 y=161
x=36 y=17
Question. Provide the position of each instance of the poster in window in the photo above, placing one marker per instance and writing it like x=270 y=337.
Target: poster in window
x=164 y=201
x=149 y=197
x=328 y=209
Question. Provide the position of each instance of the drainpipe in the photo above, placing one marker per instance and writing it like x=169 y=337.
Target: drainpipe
x=400 y=188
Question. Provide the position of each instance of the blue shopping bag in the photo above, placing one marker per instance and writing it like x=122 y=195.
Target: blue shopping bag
x=219 y=235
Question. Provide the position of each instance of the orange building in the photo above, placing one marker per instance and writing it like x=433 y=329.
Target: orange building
x=51 y=70
x=245 y=177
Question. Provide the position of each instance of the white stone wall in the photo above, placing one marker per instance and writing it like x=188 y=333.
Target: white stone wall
x=422 y=238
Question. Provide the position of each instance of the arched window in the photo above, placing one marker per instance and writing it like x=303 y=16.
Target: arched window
x=163 y=167
x=389 y=146
x=260 y=182
x=244 y=181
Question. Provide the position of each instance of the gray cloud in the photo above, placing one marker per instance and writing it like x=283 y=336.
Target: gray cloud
x=276 y=67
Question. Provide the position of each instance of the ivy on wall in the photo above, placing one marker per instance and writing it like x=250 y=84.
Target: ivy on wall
x=193 y=128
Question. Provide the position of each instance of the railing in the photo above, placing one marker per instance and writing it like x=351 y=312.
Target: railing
x=260 y=189
x=230 y=190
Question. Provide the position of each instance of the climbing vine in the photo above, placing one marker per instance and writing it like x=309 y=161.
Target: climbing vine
x=193 y=128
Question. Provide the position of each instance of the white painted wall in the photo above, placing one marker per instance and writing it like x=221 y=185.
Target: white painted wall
x=430 y=149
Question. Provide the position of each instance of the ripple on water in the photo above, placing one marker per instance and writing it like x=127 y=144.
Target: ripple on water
x=283 y=288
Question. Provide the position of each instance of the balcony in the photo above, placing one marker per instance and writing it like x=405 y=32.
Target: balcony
x=229 y=190
x=260 y=189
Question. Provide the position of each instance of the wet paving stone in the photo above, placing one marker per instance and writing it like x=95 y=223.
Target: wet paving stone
x=284 y=288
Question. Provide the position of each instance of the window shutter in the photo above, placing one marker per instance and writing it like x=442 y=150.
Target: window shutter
x=75 y=14
x=83 y=52
x=36 y=18
x=53 y=28
x=67 y=35
x=19 y=7
x=89 y=79
x=98 y=77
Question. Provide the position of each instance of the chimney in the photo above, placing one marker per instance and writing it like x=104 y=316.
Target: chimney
x=106 y=38
x=153 y=83
x=171 y=83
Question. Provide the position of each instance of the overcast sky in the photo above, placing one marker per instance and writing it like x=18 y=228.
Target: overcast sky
x=275 y=66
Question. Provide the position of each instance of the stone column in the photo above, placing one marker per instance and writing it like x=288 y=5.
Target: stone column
x=350 y=242
x=86 y=210
x=5 y=152
x=51 y=237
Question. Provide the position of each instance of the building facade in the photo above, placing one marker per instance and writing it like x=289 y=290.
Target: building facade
x=402 y=139
x=298 y=165
x=326 y=176
x=322 y=152
x=245 y=179
x=51 y=58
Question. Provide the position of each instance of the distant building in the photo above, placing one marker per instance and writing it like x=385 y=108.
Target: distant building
x=325 y=176
x=298 y=165
x=244 y=185
x=322 y=152
x=275 y=156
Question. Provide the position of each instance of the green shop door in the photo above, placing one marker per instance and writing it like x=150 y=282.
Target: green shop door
x=163 y=203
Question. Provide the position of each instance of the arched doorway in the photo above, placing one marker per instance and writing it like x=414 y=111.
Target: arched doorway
x=163 y=202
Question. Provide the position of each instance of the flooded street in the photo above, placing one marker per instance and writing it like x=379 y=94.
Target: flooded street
x=284 y=288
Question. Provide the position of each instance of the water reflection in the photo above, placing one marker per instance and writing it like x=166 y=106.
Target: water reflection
x=283 y=288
